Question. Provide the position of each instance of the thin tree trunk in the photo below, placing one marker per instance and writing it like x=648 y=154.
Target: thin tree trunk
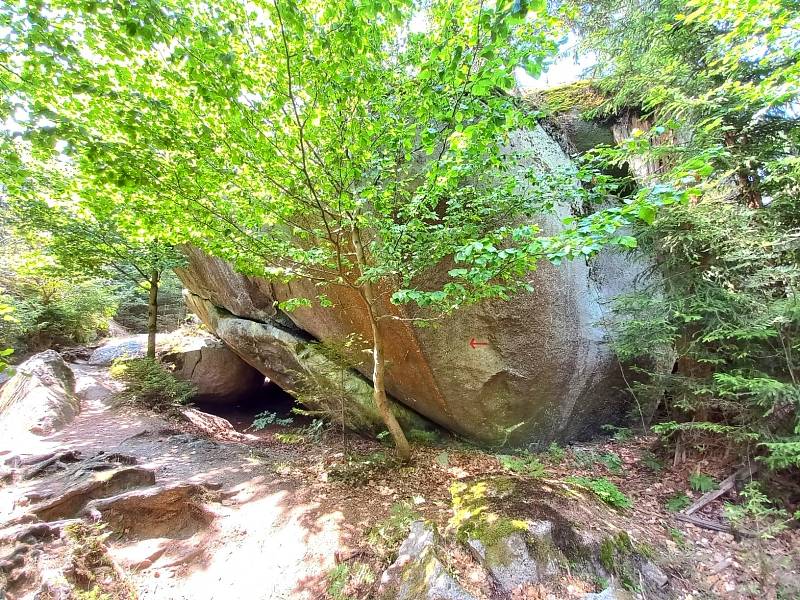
x=379 y=393
x=379 y=360
x=152 y=315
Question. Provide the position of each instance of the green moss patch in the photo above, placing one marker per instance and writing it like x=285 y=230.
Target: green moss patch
x=618 y=557
x=583 y=96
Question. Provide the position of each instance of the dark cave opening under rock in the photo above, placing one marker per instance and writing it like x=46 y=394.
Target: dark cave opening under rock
x=241 y=411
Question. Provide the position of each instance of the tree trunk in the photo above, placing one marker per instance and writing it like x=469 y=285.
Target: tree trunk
x=379 y=360
x=379 y=393
x=152 y=315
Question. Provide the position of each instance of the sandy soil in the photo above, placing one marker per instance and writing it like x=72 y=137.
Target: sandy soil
x=266 y=538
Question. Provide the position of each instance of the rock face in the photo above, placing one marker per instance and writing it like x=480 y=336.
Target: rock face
x=518 y=558
x=546 y=373
x=515 y=562
x=417 y=574
x=166 y=511
x=217 y=373
x=40 y=397
x=299 y=367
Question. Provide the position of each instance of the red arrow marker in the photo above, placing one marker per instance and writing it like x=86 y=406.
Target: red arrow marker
x=475 y=343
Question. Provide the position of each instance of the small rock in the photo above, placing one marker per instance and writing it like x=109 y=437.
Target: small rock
x=722 y=565
x=653 y=576
x=610 y=593
x=509 y=558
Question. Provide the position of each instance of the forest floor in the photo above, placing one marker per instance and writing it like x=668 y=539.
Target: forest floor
x=308 y=514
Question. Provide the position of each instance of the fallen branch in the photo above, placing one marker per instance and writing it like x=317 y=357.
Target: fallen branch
x=727 y=484
x=724 y=487
x=713 y=525
x=704 y=523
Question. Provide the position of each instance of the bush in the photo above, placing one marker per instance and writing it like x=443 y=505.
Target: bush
x=149 y=383
x=701 y=482
x=556 y=453
x=651 y=461
x=758 y=511
x=5 y=316
x=346 y=579
x=68 y=312
x=612 y=462
x=731 y=313
x=620 y=434
x=89 y=568
x=386 y=535
x=42 y=305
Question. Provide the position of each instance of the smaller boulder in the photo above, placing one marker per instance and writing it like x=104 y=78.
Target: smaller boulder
x=216 y=371
x=418 y=574
x=40 y=397
x=212 y=426
x=129 y=347
x=523 y=555
x=653 y=576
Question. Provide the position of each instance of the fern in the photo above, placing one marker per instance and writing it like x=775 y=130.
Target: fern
x=678 y=502
x=265 y=419
x=525 y=465
x=604 y=489
x=701 y=482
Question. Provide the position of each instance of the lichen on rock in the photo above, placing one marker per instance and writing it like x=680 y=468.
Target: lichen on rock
x=522 y=542
x=418 y=574
x=582 y=96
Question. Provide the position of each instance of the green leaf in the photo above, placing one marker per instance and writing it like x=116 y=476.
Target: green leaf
x=647 y=213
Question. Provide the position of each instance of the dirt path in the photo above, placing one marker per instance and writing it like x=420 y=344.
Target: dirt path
x=261 y=537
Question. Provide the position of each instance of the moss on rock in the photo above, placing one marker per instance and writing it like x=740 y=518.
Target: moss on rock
x=583 y=96
x=619 y=558
x=492 y=534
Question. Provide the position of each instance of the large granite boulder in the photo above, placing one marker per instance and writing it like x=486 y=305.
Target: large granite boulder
x=301 y=367
x=545 y=373
x=40 y=397
x=217 y=373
